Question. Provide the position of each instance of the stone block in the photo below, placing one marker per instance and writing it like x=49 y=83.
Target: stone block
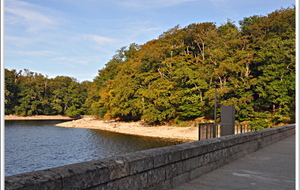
x=201 y=146
x=218 y=154
x=160 y=156
x=121 y=184
x=231 y=140
x=175 y=154
x=201 y=170
x=206 y=158
x=188 y=150
x=199 y=161
x=100 y=187
x=268 y=138
x=226 y=141
x=236 y=148
x=219 y=163
x=268 y=132
x=188 y=164
x=139 y=161
x=213 y=144
x=37 y=180
x=194 y=149
x=173 y=170
x=237 y=155
x=82 y=175
x=156 y=175
x=117 y=166
x=140 y=181
x=165 y=155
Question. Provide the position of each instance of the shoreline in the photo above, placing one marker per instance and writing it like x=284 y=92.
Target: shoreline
x=186 y=134
x=37 y=117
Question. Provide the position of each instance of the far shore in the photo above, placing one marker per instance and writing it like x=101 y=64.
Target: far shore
x=37 y=117
x=186 y=134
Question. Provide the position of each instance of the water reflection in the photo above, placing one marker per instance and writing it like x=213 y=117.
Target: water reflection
x=116 y=143
x=36 y=145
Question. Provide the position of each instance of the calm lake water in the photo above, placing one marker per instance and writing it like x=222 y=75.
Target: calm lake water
x=37 y=145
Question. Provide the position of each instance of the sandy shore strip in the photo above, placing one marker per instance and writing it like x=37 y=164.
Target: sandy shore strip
x=186 y=134
x=37 y=117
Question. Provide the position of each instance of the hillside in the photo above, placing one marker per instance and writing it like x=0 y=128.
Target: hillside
x=172 y=79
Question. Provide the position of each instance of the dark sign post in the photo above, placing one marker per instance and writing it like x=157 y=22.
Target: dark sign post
x=227 y=120
x=215 y=113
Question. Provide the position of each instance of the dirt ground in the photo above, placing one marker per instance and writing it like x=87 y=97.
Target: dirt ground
x=136 y=128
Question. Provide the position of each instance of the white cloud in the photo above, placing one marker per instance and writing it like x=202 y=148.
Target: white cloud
x=152 y=4
x=16 y=41
x=32 y=18
x=101 y=40
x=169 y=3
x=83 y=44
x=70 y=61
x=142 y=30
x=29 y=16
x=36 y=53
x=221 y=4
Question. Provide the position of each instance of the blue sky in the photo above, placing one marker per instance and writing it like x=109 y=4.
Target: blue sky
x=77 y=38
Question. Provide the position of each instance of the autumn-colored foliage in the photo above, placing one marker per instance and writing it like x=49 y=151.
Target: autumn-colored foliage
x=173 y=77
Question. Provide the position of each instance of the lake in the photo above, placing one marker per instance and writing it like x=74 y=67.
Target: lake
x=37 y=145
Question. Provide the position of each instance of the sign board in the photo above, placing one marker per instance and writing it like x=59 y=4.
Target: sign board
x=227 y=120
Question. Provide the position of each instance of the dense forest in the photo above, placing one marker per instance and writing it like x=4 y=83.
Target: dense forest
x=173 y=78
x=28 y=93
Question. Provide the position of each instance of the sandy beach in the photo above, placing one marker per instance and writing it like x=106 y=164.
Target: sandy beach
x=187 y=134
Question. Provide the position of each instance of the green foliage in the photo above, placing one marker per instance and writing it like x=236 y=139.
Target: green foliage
x=28 y=93
x=259 y=124
x=11 y=90
x=173 y=78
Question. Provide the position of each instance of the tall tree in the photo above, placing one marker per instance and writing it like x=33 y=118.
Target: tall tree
x=12 y=90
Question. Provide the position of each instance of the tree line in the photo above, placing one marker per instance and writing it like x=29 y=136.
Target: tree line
x=29 y=93
x=173 y=78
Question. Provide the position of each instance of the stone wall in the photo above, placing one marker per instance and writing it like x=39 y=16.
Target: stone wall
x=159 y=168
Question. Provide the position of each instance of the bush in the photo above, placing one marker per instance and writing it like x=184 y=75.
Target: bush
x=259 y=124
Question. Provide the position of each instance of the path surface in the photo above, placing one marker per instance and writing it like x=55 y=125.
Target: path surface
x=270 y=168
